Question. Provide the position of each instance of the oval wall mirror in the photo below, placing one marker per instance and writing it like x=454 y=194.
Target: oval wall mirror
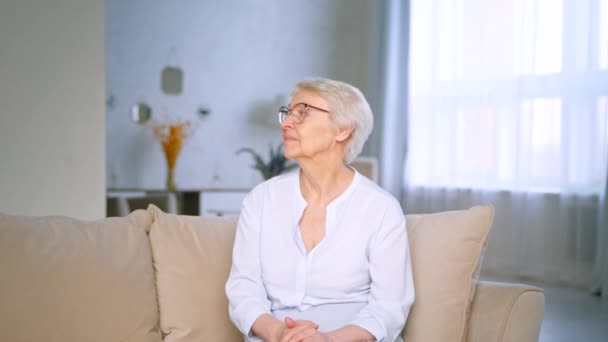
x=141 y=112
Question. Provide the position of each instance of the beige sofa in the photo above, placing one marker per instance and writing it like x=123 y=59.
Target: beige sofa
x=153 y=276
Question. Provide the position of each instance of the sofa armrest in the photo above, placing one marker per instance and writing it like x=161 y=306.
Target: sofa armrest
x=506 y=313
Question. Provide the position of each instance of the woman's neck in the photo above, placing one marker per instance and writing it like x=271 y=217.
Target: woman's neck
x=321 y=183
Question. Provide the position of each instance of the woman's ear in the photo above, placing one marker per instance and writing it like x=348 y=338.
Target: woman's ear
x=344 y=133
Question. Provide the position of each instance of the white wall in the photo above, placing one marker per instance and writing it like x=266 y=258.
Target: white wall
x=241 y=58
x=52 y=129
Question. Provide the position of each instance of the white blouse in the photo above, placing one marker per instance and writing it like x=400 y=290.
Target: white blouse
x=359 y=274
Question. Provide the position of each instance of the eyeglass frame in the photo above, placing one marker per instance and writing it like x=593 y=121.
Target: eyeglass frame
x=288 y=111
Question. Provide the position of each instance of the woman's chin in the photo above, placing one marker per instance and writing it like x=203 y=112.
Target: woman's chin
x=290 y=156
x=289 y=153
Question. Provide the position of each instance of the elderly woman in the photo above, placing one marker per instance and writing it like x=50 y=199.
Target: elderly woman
x=321 y=254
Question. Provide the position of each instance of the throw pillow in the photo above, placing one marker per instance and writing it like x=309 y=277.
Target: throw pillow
x=446 y=250
x=192 y=257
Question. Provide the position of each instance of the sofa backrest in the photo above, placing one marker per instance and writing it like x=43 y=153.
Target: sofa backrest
x=63 y=279
x=70 y=280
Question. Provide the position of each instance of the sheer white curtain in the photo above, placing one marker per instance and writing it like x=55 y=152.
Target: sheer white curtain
x=508 y=104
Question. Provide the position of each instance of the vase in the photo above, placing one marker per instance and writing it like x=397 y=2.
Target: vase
x=170 y=180
x=171 y=155
x=172 y=146
x=172 y=140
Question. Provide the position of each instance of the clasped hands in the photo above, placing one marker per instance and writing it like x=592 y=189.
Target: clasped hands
x=302 y=331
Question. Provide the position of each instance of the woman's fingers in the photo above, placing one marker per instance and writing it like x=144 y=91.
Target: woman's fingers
x=291 y=323
x=307 y=322
x=289 y=334
x=302 y=334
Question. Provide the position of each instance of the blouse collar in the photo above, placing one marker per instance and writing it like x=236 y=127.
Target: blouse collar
x=334 y=208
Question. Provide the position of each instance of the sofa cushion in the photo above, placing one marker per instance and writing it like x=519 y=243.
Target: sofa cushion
x=69 y=280
x=446 y=251
x=192 y=257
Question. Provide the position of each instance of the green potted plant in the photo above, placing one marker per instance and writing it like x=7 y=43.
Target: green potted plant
x=276 y=165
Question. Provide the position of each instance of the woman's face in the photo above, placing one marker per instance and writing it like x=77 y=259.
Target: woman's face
x=315 y=134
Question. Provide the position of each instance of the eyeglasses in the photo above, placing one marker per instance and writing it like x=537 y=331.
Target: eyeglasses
x=298 y=112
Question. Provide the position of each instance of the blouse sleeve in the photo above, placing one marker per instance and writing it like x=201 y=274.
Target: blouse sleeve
x=392 y=285
x=246 y=294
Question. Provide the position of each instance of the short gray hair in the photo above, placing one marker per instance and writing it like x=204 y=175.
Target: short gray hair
x=347 y=107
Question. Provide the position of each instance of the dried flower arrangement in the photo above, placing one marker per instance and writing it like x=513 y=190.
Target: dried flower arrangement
x=171 y=136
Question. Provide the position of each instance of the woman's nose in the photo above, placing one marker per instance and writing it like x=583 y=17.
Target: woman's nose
x=288 y=122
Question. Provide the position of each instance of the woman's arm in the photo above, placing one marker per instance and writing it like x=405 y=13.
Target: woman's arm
x=350 y=333
x=246 y=294
x=392 y=285
x=268 y=328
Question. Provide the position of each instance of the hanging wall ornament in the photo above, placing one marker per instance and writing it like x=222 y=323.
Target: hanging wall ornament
x=172 y=76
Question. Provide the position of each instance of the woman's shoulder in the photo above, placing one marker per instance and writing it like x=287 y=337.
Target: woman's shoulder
x=368 y=189
x=278 y=183
x=371 y=188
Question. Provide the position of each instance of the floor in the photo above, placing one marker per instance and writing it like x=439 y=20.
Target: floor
x=572 y=315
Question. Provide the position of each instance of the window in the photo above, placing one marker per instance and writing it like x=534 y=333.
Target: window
x=508 y=94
